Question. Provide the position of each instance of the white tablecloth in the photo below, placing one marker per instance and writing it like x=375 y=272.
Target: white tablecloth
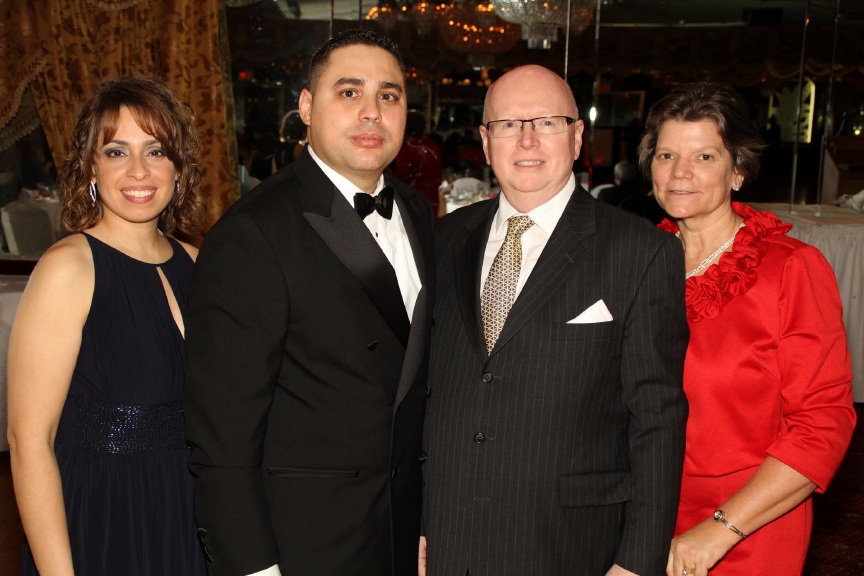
x=11 y=288
x=839 y=234
x=52 y=207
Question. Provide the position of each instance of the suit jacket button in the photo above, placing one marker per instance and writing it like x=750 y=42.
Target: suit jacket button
x=479 y=438
x=428 y=391
x=393 y=472
x=372 y=345
x=487 y=377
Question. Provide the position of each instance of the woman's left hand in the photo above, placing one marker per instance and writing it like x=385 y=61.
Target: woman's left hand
x=699 y=549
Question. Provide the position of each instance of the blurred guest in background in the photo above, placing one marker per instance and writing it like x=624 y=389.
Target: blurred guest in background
x=96 y=355
x=10 y=183
x=626 y=184
x=258 y=149
x=418 y=163
x=767 y=373
x=37 y=167
x=470 y=154
x=628 y=193
x=292 y=139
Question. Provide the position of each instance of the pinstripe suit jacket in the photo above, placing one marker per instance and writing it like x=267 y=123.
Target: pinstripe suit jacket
x=561 y=453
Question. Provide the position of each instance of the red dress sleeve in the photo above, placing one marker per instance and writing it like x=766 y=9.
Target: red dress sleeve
x=815 y=369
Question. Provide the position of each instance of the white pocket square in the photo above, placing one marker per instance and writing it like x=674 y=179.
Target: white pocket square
x=597 y=312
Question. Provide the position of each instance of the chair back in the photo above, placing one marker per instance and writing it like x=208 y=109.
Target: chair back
x=466 y=188
x=27 y=228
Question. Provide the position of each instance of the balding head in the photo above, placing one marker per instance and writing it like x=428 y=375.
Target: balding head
x=534 y=80
x=531 y=167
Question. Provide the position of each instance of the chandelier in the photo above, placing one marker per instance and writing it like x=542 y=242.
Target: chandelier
x=540 y=19
x=386 y=13
x=475 y=29
x=423 y=14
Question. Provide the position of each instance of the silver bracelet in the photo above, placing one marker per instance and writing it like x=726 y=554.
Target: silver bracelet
x=719 y=517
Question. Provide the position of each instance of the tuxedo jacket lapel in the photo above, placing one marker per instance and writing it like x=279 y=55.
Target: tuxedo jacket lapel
x=565 y=252
x=345 y=234
x=415 y=352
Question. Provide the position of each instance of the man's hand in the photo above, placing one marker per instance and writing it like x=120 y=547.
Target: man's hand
x=616 y=570
x=421 y=557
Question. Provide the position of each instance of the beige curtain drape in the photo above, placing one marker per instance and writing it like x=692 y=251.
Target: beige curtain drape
x=62 y=49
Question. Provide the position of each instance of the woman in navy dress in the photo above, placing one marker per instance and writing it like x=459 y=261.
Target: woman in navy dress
x=97 y=356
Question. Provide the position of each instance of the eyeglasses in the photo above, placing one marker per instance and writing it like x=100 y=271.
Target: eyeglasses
x=542 y=125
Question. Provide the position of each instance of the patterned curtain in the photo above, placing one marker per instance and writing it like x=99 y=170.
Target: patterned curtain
x=63 y=49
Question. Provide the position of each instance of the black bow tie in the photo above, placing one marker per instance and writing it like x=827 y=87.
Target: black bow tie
x=381 y=203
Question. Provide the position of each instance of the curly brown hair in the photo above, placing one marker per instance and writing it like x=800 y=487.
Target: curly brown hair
x=159 y=113
x=707 y=101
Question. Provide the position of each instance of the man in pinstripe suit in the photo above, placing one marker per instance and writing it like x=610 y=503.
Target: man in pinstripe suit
x=555 y=432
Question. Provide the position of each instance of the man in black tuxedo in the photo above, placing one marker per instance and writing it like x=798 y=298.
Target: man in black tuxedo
x=556 y=416
x=307 y=342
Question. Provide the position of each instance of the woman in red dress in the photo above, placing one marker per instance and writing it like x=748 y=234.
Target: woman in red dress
x=767 y=372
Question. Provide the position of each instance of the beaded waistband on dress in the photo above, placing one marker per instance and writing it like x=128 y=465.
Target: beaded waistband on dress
x=129 y=429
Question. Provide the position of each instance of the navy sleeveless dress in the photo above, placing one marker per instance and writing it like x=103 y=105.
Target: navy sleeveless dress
x=121 y=444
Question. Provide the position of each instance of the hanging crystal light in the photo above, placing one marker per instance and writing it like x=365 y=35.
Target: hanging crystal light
x=475 y=29
x=386 y=13
x=540 y=19
x=423 y=14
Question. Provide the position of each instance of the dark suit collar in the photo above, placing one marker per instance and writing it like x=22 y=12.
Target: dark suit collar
x=412 y=220
x=316 y=190
x=339 y=226
x=469 y=263
x=343 y=185
x=343 y=231
x=418 y=226
x=568 y=245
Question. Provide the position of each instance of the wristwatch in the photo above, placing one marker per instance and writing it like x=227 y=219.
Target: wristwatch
x=719 y=517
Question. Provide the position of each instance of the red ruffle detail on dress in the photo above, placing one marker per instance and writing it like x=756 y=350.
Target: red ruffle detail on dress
x=735 y=272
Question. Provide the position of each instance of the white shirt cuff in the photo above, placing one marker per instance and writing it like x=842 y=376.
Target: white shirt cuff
x=271 y=571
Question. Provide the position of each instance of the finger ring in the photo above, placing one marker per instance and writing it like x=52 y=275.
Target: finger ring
x=688 y=571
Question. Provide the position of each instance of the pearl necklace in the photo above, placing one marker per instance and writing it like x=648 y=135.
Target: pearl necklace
x=704 y=264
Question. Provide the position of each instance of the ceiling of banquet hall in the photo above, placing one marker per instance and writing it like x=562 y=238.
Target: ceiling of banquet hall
x=643 y=12
x=745 y=42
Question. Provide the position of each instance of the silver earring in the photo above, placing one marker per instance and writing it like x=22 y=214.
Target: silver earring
x=176 y=186
x=93 y=192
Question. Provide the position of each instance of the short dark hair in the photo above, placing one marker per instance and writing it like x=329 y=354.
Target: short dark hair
x=351 y=37
x=707 y=101
x=159 y=113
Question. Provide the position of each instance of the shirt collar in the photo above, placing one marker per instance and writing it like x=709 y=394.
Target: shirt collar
x=545 y=216
x=345 y=186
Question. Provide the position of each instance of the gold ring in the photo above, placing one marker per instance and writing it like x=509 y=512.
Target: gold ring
x=688 y=571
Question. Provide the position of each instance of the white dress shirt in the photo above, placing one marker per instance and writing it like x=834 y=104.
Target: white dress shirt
x=545 y=218
x=393 y=240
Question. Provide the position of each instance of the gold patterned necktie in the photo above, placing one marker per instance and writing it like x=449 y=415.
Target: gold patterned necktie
x=499 y=292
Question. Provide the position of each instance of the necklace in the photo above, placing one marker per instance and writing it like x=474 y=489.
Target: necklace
x=704 y=264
